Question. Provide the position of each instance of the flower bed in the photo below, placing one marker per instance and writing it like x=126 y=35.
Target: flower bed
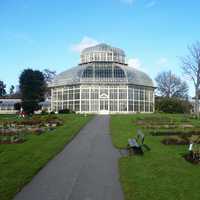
x=175 y=140
x=181 y=140
x=157 y=122
x=174 y=132
x=12 y=132
x=12 y=138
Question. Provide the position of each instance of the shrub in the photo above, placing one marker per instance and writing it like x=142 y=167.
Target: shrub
x=172 y=105
x=44 y=112
x=176 y=140
x=17 y=106
x=65 y=111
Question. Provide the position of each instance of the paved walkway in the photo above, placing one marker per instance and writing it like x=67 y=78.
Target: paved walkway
x=85 y=170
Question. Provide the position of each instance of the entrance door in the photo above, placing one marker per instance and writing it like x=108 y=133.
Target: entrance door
x=104 y=106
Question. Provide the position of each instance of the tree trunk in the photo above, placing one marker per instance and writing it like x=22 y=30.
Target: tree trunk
x=197 y=102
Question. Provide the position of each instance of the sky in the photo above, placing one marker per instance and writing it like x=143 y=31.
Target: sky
x=41 y=34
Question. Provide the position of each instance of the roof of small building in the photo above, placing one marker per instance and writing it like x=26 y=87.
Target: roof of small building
x=8 y=102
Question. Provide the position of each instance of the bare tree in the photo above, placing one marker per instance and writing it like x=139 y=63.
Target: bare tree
x=169 y=85
x=2 y=89
x=12 y=88
x=191 y=67
x=49 y=75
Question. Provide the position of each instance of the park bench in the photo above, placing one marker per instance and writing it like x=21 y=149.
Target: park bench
x=140 y=137
x=195 y=154
x=135 y=145
x=190 y=147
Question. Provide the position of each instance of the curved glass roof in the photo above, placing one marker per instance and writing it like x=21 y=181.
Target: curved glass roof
x=76 y=76
x=9 y=102
x=102 y=64
x=103 y=47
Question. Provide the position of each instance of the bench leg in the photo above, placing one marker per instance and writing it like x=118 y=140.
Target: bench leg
x=130 y=151
x=134 y=151
x=138 y=150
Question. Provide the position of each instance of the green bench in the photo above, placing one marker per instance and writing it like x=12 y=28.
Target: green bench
x=135 y=144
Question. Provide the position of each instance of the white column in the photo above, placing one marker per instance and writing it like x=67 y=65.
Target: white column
x=51 y=99
x=74 y=90
x=127 y=98
x=138 y=90
x=68 y=97
x=62 y=97
x=117 y=98
x=99 y=98
x=80 y=99
x=89 y=99
x=149 y=100
x=109 y=98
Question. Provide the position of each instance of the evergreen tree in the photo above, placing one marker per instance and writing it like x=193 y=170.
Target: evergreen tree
x=32 y=87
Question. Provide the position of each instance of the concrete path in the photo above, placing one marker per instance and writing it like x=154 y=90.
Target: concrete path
x=87 y=169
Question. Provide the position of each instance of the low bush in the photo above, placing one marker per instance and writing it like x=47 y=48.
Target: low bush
x=172 y=105
x=11 y=138
x=65 y=111
x=44 y=112
x=188 y=157
x=175 y=132
x=176 y=140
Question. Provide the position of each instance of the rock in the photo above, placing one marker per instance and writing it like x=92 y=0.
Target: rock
x=186 y=126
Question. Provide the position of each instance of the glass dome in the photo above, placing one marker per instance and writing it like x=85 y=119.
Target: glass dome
x=102 y=52
x=101 y=74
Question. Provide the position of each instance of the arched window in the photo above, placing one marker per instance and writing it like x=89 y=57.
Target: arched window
x=88 y=72
x=118 y=72
x=105 y=72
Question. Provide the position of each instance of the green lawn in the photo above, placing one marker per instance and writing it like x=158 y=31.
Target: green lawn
x=162 y=173
x=8 y=117
x=20 y=162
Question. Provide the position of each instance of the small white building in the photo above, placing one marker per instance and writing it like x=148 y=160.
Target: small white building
x=7 y=106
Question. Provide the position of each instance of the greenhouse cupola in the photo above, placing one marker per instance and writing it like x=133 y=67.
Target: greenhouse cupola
x=102 y=52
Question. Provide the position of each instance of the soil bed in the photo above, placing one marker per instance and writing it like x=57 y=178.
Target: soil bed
x=189 y=158
x=178 y=132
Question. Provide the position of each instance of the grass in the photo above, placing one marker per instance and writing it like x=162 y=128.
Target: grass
x=20 y=162
x=162 y=173
x=4 y=117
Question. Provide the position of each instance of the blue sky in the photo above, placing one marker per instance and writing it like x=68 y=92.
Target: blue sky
x=50 y=33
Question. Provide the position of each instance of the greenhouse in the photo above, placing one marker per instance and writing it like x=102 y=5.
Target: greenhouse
x=102 y=83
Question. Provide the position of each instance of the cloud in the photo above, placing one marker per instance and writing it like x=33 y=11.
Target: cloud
x=162 y=61
x=134 y=62
x=84 y=43
x=148 y=4
x=128 y=1
x=151 y=4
